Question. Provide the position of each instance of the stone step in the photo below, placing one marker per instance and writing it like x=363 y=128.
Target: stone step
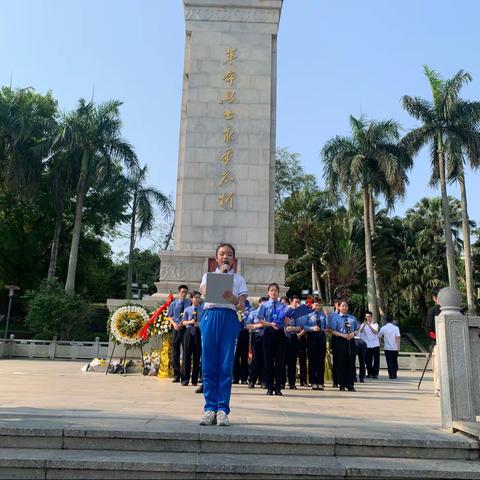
x=237 y=440
x=107 y=464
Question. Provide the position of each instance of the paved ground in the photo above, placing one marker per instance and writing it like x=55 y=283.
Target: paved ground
x=37 y=393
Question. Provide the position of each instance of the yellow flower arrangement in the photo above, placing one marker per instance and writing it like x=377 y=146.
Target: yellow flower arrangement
x=166 y=368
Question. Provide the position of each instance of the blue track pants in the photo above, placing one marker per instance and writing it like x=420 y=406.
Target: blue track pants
x=219 y=327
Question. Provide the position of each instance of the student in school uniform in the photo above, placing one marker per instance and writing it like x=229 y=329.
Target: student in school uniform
x=301 y=347
x=192 y=346
x=175 y=314
x=344 y=327
x=271 y=314
x=292 y=331
x=315 y=325
x=219 y=328
x=240 y=363
x=256 y=370
x=336 y=309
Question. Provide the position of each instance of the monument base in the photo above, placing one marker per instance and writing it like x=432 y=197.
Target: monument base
x=188 y=266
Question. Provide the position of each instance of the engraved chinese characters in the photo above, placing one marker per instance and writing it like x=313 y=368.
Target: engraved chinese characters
x=225 y=200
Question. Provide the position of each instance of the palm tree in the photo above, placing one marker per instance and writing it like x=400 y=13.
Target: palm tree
x=449 y=126
x=59 y=179
x=28 y=122
x=368 y=160
x=142 y=214
x=91 y=136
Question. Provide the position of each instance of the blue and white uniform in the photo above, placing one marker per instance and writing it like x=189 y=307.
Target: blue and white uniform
x=175 y=312
x=317 y=346
x=192 y=346
x=219 y=327
x=256 y=369
x=344 y=352
x=274 y=343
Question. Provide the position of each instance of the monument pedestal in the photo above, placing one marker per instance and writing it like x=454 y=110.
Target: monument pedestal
x=188 y=266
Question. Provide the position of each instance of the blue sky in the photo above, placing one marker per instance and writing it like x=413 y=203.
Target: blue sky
x=335 y=58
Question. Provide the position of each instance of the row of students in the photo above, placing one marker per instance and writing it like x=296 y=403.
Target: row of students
x=277 y=341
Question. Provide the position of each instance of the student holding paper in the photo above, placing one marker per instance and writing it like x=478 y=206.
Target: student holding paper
x=219 y=328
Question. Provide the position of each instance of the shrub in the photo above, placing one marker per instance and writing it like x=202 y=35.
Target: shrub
x=51 y=312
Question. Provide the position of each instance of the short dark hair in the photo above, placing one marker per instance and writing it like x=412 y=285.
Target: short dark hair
x=317 y=299
x=368 y=312
x=262 y=299
x=229 y=245
x=273 y=284
x=194 y=293
x=389 y=319
x=296 y=297
x=182 y=286
x=435 y=291
x=285 y=298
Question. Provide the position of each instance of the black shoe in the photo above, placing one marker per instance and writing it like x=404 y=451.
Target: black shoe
x=194 y=384
x=236 y=382
x=395 y=376
x=176 y=380
x=342 y=389
x=278 y=392
x=355 y=380
x=362 y=380
x=244 y=382
x=374 y=377
x=335 y=385
x=304 y=384
x=293 y=387
x=184 y=384
x=368 y=376
x=251 y=385
x=269 y=391
x=351 y=389
x=199 y=389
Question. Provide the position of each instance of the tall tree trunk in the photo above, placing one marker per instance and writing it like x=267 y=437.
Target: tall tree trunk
x=452 y=274
x=379 y=292
x=52 y=266
x=132 y=246
x=77 y=226
x=467 y=249
x=371 y=295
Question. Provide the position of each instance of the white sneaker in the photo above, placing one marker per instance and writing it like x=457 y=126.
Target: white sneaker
x=222 y=419
x=210 y=418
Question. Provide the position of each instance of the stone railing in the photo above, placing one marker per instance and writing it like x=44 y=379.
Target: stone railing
x=52 y=349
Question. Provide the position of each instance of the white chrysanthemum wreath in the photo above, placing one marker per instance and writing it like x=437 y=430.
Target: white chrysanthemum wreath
x=127 y=322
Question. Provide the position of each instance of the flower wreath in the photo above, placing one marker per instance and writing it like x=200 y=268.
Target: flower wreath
x=126 y=324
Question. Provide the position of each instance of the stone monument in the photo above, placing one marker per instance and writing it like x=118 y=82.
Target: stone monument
x=226 y=163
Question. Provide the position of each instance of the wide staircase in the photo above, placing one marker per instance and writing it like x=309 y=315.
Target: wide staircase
x=232 y=453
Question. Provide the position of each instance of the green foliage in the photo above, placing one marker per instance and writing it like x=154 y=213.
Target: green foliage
x=51 y=312
x=290 y=176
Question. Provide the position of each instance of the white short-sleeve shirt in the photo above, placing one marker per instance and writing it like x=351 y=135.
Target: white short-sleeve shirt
x=390 y=333
x=239 y=288
x=370 y=338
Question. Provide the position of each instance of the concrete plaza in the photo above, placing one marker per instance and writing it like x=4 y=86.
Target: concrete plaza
x=57 y=393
